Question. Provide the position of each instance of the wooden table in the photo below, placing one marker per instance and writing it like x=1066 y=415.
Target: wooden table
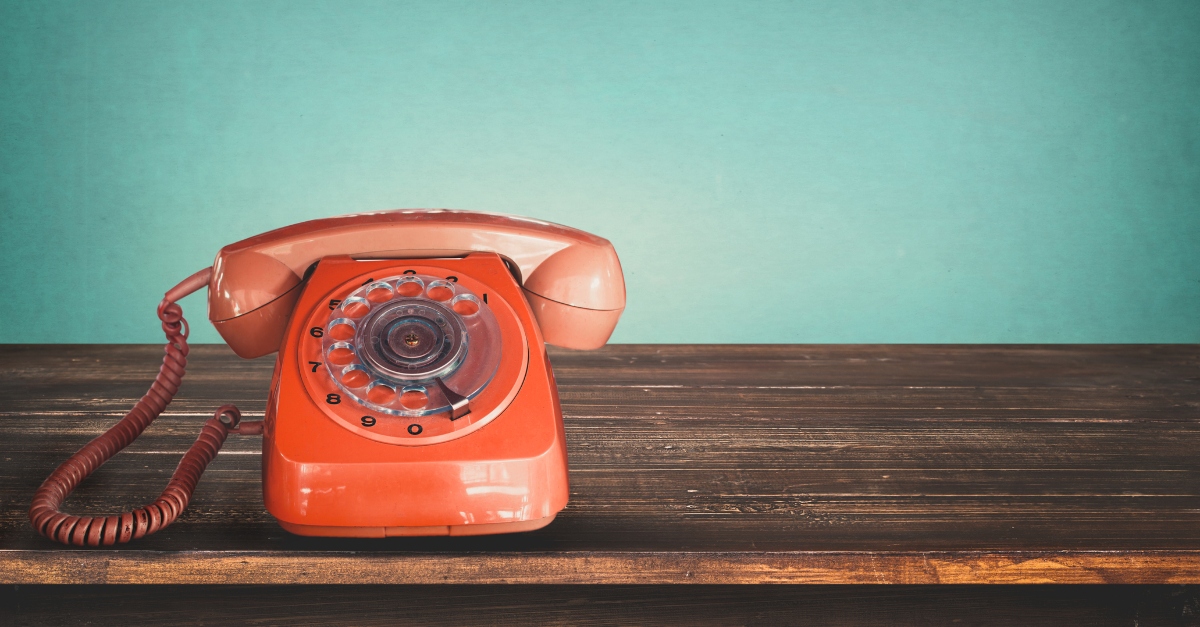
x=689 y=464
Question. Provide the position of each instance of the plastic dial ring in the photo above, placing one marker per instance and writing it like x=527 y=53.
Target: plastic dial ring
x=400 y=368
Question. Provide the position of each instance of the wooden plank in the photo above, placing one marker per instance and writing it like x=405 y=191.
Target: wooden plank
x=607 y=567
x=735 y=463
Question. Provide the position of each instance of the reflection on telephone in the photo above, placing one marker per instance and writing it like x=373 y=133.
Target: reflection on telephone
x=412 y=393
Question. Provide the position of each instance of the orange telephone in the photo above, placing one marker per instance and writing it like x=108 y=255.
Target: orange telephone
x=412 y=393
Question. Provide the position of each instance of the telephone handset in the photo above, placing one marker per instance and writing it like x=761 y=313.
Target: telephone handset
x=411 y=394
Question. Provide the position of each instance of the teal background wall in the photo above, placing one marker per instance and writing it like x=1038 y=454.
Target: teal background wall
x=769 y=172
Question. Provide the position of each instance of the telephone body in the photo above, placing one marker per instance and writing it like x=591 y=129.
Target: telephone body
x=412 y=393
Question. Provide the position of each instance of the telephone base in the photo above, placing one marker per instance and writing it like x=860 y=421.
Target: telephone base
x=435 y=530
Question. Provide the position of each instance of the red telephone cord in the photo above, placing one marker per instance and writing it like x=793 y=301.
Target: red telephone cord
x=44 y=512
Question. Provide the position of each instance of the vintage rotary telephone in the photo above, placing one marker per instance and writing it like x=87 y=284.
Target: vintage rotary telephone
x=412 y=394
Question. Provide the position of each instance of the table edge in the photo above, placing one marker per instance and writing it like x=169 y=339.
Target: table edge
x=601 y=567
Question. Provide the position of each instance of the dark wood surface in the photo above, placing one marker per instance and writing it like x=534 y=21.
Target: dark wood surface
x=697 y=464
x=466 y=605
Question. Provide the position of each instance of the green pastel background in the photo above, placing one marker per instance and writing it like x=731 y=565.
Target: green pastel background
x=769 y=172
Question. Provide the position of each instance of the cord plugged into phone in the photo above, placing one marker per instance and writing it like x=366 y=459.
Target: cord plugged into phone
x=412 y=393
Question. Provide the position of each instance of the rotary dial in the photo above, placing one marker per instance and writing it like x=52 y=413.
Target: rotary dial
x=412 y=345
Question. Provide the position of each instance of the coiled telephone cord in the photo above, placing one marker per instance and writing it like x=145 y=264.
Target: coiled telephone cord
x=44 y=511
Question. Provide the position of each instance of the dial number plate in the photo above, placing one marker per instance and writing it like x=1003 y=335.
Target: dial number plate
x=378 y=353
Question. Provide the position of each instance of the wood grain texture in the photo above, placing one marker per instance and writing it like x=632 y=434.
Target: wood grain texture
x=699 y=464
x=1028 y=606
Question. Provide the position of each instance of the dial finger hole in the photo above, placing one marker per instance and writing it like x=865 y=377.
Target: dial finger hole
x=414 y=398
x=379 y=292
x=410 y=286
x=355 y=377
x=440 y=290
x=381 y=394
x=356 y=307
x=341 y=354
x=465 y=305
x=342 y=329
